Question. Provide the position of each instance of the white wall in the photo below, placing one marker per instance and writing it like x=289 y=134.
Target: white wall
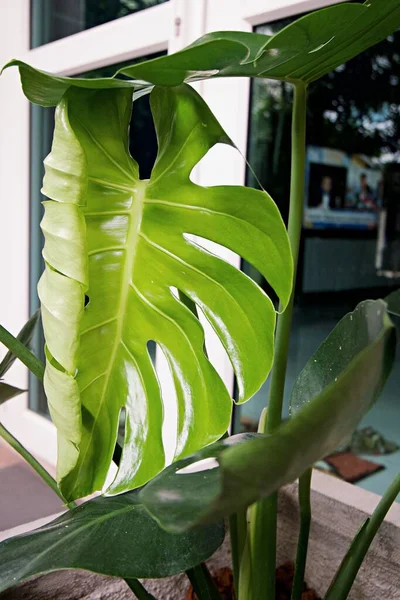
x=14 y=183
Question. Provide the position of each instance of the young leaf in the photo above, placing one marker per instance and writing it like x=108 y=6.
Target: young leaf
x=110 y=536
x=246 y=468
x=304 y=51
x=123 y=242
x=25 y=337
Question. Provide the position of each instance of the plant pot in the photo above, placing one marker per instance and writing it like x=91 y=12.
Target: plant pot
x=338 y=511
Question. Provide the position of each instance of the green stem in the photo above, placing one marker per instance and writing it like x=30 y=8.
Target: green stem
x=347 y=572
x=22 y=451
x=302 y=545
x=37 y=368
x=264 y=550
x=238 y=533
x=139 y=590
x=246 y=566
x=203 y=583
x=26 y=356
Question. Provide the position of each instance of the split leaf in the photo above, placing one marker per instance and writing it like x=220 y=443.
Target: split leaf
x=236 y=472
x=123 y=243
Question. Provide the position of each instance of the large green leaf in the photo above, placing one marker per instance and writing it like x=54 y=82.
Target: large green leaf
x=242 y=469
x=123 y=242
x=303 y=51
x=110 y=536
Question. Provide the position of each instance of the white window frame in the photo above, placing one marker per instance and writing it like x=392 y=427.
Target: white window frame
x=139 y=34
x=171 y=26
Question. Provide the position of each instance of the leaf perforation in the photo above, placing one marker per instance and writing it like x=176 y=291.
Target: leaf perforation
x=174 y=323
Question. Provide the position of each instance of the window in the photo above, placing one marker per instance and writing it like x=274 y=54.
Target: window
x=55 y=19
x=352 y=152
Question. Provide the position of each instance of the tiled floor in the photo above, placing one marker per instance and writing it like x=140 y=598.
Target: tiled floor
x=24 y=496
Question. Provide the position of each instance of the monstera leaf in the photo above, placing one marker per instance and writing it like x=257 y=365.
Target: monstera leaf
x=123 y=243
x=303 y=51
x=233 y=473
x=110 y=536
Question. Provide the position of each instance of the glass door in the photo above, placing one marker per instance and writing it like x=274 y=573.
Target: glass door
x=352 y=152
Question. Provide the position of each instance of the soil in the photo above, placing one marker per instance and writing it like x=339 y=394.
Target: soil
x=284 y=580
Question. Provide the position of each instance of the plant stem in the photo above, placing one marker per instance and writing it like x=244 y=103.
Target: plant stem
x=302 y=545
x=347 y=572
x=264 y=551
x=26 y=455
x=238 y=533
x=297 y=182
x=37 y=368
x=26 y=356
x=203 y=583
x=246 y=564
x=139 y=590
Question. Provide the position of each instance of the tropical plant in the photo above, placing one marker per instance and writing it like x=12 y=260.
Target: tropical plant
x=122 y=268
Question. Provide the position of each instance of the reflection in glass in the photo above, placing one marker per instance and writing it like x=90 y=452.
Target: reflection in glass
x=55 y=19
x=352 y=182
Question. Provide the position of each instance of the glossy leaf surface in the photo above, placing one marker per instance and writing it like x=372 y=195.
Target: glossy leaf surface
x=245 y=468
x=110 y=536
x=123 y=242
x=303 y=51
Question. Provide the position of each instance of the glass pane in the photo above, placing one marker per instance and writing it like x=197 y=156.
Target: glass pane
x=55 y=19
x=353 y=157
x=143 y=148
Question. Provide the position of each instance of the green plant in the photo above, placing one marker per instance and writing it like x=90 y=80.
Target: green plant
x=122 y=269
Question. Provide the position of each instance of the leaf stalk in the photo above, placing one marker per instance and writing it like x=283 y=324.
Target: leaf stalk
x=305 y=523
x=264 y=518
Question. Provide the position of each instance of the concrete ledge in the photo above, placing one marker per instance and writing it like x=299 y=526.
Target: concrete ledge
x=338 y=511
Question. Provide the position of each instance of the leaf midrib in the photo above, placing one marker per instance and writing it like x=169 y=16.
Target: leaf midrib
x=135 y=219
x=78 y=530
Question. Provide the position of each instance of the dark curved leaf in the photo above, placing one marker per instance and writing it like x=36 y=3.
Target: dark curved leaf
x=111 y=536
x=242 y=469
x=303 y=51
x=8 y=391
x=349 y=338
x=393 y=303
